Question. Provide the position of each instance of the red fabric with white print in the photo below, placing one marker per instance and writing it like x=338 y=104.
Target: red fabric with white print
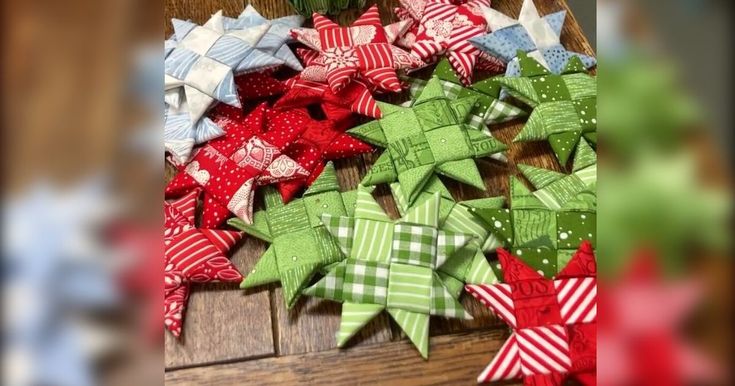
x=191 y=256
x=250 y=154
x=554 y=322
x=258 y=85
x=320 y=142
x=443 y=28
x=362 y=50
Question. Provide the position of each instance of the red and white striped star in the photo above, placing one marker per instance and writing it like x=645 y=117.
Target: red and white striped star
x=191 y=255
x=554 y=322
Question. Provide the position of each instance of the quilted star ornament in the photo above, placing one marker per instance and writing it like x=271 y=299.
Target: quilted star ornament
x=535 y=35
x=489 y=108
x=300 y=244
x=231 y=167
x=191 y=255
x=431 y=136
x=554 y=322
x=443 y=28
x=206 y=59
x=363 y=50
x=564 y=106
x=274 y=40
x=469 y=264
x=391 y=265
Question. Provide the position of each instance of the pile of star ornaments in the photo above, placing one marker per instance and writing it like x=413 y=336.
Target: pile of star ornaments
x=260 y=108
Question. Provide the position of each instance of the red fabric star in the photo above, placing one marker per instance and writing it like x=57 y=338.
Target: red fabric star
x=363 y=50
x=442 y=28
x=554 y=322
x=191 y=256
x=250 y=154
x=320 y=142
x=641 y=337
x=258 y=85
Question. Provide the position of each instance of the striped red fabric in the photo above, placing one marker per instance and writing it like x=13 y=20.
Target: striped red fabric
x=553 y=321
x=442 y=28
x=361 y=51
x=191 y=255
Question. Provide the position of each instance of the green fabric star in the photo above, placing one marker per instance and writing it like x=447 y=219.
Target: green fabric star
x=300 y=244
x=432 y=136
x=469 y=264
x=564 y=106
x=545 y=227
x=489 y=108
x=391 y=265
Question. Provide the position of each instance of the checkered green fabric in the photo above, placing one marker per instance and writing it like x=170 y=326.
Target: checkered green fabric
x=391 y=264
x=496 y=111
x=414 y=244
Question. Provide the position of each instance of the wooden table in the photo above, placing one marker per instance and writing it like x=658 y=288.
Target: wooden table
x=249 y=337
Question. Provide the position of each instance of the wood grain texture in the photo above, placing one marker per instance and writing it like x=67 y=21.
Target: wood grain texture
x=223 y=323
x=454 y=360
x=298 y=334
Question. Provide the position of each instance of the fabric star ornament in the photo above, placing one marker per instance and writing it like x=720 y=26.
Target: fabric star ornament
x=443 y=29
x=192 y=255
x=391 y=265
x=356 y=97
x=546 y=226
x=320 y=142
x=363 y=50
x=274 y=40
x=300 y=244
x=535 y=35
x=564 y=106
x=489 y=108
x=554 y=322
x=431 y=136
x=469 y=264
x=231 y=167
x=206 y=59
x=643 y=335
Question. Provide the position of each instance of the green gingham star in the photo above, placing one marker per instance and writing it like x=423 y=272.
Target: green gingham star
x=564 y=106
x=545 y=227
x=489 y=109
x=432 y=136
x=300 y=244
x=469 y=264
x=391 y=265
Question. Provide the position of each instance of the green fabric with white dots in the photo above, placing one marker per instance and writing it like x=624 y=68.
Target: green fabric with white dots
x=300 y=244
x=564 y=106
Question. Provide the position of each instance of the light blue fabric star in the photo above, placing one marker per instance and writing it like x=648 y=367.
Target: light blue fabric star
x=180 y=135
x=57 y=272
x=207 y=58
x=275 y=39
x=538 y=36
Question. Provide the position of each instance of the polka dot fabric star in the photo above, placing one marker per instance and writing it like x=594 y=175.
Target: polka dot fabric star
x=250 y=154
x=564 y=106
x=320 y=142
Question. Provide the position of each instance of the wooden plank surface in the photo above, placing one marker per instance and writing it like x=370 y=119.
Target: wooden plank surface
x=222 y=322
x=259 y=318
x=454 y=360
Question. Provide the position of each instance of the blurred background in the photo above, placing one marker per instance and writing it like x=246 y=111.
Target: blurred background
x=83 y=188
